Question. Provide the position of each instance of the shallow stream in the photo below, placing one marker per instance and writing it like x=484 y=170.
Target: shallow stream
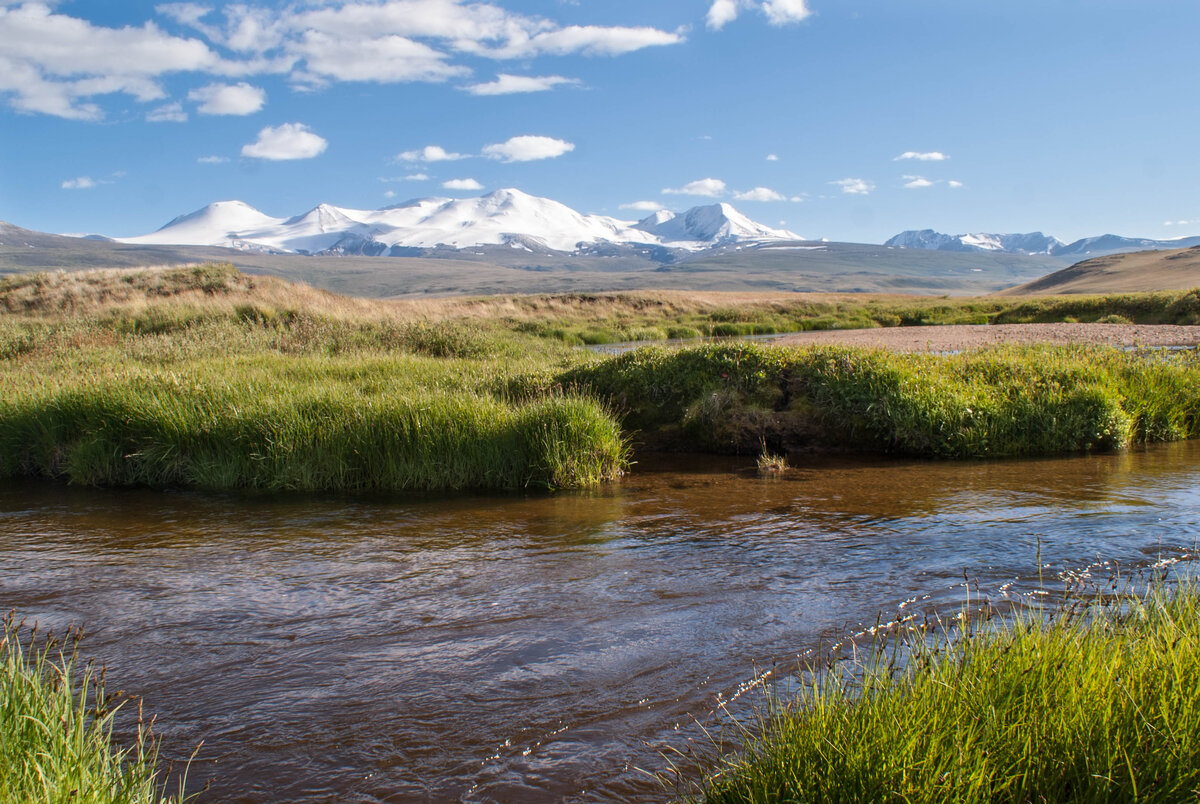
x=536 y=649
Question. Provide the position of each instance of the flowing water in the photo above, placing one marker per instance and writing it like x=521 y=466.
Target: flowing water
x=548 y=648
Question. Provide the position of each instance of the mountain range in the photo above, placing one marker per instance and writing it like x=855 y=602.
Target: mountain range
x=505 y=218
x=1033 y=243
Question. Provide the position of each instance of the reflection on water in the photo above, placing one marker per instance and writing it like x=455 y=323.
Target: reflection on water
x=533 y=649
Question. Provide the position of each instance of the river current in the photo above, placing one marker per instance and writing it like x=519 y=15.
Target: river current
x=566 y=647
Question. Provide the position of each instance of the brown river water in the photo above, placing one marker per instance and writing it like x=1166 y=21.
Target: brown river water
x=561 y=647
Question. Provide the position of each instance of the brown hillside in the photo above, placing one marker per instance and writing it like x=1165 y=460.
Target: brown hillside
x=1121 y=273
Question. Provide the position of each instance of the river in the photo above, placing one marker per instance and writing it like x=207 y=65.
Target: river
x=562 y=647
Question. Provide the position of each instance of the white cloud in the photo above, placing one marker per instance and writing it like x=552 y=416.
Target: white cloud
x=955 y=183
x=288 y=141
x=462 y=184
x=389 y=193
x=53 y=63
x=785 y=12
x=772 y=158
x=228 y=99
x=590 y=40
x=1181 y=223
x=527 y=148
x=711 y=188
x=777 y=12
x=167 y=113
x=430 y=153
x=50 y=62
x=854 y=186
x=917 y=182
x=417 y=177
x=922 y=156
x=760 y=194
x=643 y=206
x=81 y=183
x=213 y=160
x=720 y=13
x=506 y=84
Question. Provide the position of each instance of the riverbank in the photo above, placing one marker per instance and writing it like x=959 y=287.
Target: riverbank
x=206 y=378
x=960 y=338
x=1094 y=702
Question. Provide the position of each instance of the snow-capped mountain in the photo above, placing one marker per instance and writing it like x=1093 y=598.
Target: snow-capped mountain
x=1031 y=243
x=508 y=218
x=716 y=223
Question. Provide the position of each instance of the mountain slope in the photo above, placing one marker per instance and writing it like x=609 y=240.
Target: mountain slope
x=507 y=218
x=1122 y=273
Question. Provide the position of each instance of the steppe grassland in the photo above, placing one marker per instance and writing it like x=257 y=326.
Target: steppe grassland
x=210 y=378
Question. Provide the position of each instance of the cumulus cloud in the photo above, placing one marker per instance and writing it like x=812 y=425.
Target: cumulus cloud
x=288 y=141
x=720 y=13
x=53 y=63
x=777 y=12
x=81 y=183
x=462 y=184
x=417 y=177
x=955 y=183
x=711 y=188
x=50 y=62
x=917 y=182
x=228 y=99
x=922 y=156
x=643 y=206
x=772 y=158
x=785 y=12
x=430 y=153
x=760 y=194
x=1182 y=222
x=527 y=148
x=213 y=160
x=854 y=186
x=506 y=84
x=167 y=113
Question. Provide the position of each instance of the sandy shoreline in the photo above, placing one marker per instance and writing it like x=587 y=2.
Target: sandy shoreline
x=973 y=336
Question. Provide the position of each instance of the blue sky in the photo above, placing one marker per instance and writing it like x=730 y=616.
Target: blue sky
x=1075 y=117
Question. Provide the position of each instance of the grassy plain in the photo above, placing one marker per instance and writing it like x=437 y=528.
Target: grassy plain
x=1091 y=702
x=207 y=377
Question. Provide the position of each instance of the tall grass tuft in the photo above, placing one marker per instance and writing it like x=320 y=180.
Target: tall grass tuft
x=56 y=741
x=1099 y=703
x=989 y=403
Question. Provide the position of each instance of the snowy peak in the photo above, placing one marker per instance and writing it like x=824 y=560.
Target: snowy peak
x=1031 y=243
x=216 y=224
x=715 y=223
x=506 y=217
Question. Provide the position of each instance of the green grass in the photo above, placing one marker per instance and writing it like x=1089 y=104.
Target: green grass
x=1097 y=703
x=204 y=377
x=990 y=403
x=56 y=741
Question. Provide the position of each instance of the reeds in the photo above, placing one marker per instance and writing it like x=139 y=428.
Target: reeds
x=1093 y=703
x=56 y=724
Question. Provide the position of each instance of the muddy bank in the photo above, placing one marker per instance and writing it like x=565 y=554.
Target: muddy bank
x=961 y=337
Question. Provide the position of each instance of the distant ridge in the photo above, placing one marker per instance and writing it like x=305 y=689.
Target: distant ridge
x=1128 y=272
x=1032 y=243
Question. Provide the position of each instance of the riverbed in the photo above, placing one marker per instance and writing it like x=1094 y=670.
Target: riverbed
x=565 y=647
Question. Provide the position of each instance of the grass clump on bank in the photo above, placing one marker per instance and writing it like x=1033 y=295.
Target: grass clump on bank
x=1094 y=704
x=207 y=378
x=742 y=397
x=56 y=722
